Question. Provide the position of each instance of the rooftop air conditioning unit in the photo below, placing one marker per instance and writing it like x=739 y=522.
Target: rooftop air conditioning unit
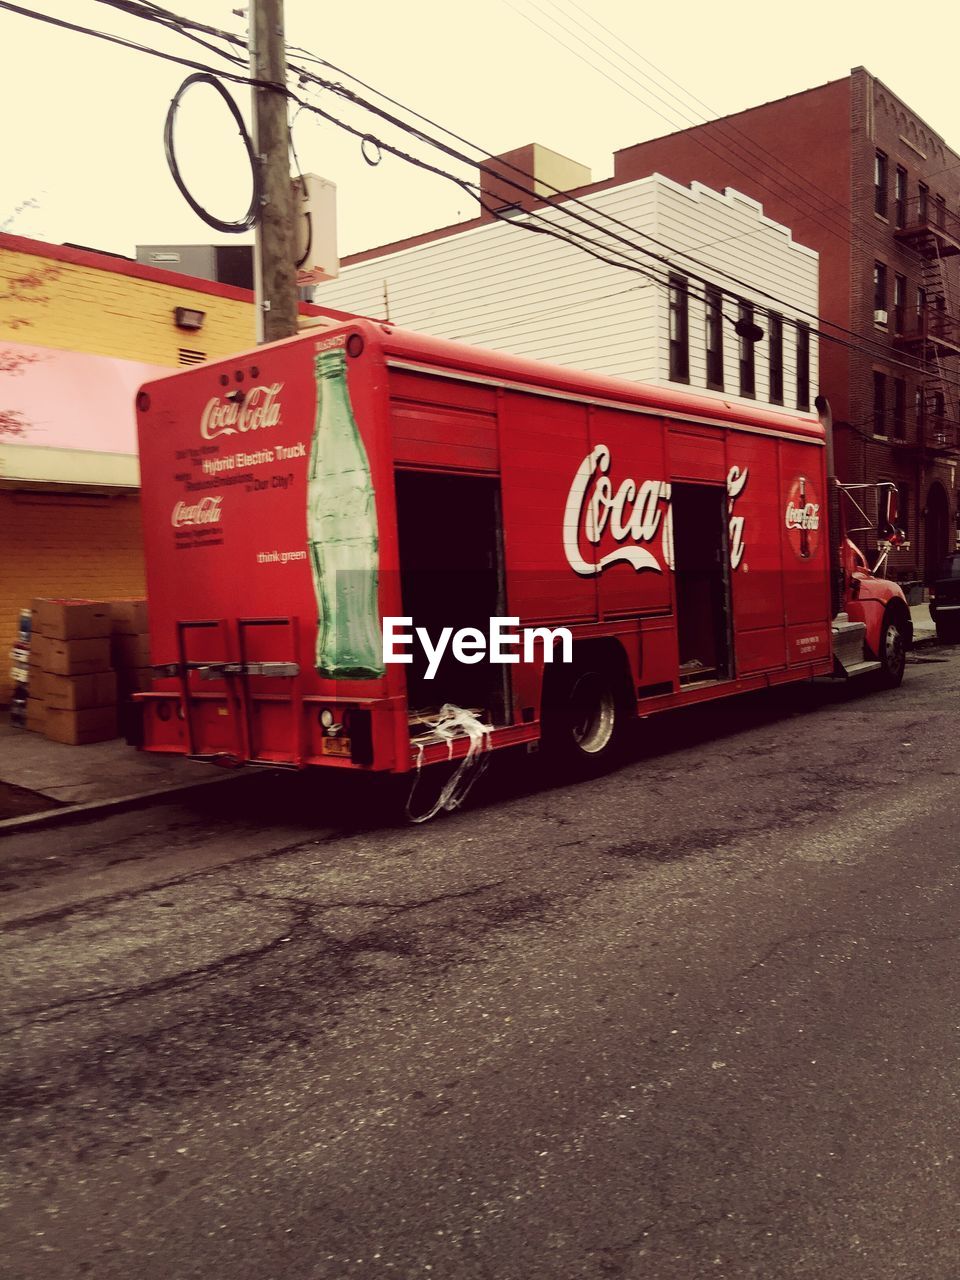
x=879 y=317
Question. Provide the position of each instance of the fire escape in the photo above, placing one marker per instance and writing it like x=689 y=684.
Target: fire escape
x=930 y=331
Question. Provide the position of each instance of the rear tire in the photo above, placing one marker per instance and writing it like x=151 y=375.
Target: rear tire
x=893 y=651
x=585 y=720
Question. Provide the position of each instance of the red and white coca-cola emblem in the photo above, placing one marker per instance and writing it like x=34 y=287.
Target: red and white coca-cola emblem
x=629 y=513
x=802 y=518
x=259 y=408
x=206 y=511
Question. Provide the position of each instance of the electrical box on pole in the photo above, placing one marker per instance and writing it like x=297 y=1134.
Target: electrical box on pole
x=315 y=229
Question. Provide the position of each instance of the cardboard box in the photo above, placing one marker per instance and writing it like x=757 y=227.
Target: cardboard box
x=77 y=657
x=130 y=651
x=71 y=619
x=129 y=617
x=39 y=650
x=75 y=693
x=36 y=715
x=92 y=724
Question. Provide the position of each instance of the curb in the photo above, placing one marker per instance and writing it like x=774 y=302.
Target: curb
x=119 y=804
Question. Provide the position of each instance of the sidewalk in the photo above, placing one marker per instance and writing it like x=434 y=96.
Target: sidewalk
x=924 y=630
x=43 y=781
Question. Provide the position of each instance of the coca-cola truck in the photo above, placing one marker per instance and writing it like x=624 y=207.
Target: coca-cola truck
x=320 y=513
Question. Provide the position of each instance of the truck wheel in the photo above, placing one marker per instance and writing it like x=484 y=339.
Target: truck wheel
x=946 y=631
x=893 y=651
x=585 y=720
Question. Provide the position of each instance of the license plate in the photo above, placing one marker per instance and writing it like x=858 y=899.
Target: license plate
x=335 y=746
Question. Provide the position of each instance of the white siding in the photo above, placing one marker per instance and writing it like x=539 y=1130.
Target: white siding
x=508 y=289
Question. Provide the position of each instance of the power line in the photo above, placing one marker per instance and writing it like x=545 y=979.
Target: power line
x=575 y=238
x=139 y=7
x=837 y=226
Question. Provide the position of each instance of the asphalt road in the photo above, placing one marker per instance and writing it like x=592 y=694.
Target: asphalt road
x=698 y=1018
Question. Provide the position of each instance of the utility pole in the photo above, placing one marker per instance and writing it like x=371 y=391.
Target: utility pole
x=274 y=252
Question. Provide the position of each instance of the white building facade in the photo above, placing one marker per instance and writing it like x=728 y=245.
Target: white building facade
x=714 y=261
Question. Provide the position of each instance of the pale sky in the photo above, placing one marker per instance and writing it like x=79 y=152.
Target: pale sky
x=83 y=121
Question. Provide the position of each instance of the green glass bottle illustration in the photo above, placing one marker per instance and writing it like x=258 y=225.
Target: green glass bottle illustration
x=342 y=532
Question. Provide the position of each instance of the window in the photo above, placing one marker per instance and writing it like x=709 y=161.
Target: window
x=899 y=302
x=679 y=331
x=900 y=196
x=918 y=407
x=899 y=408
x=879 y=403
x=748 y=379
x=803 y=366
x=776 y=358
x=880 y=183
x=714 y=337
x=923 y=193
x=921 y=304
x=939 y=211
x=880 y=293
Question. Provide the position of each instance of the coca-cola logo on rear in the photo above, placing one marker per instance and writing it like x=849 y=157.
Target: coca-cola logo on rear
x=802 y=518
x=206 y=511
x=259 y=408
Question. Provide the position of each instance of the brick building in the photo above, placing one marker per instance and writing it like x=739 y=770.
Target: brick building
x=858 y=176
x=79 y=332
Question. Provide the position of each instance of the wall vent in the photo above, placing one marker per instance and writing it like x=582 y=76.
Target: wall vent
x=186 y=356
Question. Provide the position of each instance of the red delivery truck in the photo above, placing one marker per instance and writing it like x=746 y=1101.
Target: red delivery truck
x=350 y=529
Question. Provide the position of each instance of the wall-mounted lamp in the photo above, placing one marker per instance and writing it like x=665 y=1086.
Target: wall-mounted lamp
x=188 y=318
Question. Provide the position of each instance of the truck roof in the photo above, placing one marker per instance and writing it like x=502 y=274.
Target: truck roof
x=443 y=356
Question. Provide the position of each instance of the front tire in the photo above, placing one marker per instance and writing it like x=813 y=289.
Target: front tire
x=893 y=651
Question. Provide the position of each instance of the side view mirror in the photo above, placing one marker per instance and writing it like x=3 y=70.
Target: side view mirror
x=887 y=530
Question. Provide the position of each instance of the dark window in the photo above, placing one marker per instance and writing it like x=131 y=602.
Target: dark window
x=880 y=183
x=939 y=211
x=748 y=379
x=899 y=408
x=899 y=302
x=679 y=331
x=921 y=304
x=803 y=366
x=918 y=406
x=900 y=195
x=939 y=404
x=923 y=193
x=880 y=292
x=776 y=358
x=879 y=404
x=714 y=337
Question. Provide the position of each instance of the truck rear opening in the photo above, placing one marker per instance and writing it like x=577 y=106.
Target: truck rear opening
x=303 y=500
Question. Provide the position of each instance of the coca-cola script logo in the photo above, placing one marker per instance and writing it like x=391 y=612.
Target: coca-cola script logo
x=206 y=511
x=802 y=518
x=634 y=513
x=259 y=408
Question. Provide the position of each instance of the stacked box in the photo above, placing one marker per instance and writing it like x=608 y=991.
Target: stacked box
x=130 y=654
x=73 y=696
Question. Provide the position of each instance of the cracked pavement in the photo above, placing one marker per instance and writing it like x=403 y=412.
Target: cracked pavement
x=697 y=1017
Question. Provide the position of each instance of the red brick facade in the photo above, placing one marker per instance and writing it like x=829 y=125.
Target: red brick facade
x=809 y=159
